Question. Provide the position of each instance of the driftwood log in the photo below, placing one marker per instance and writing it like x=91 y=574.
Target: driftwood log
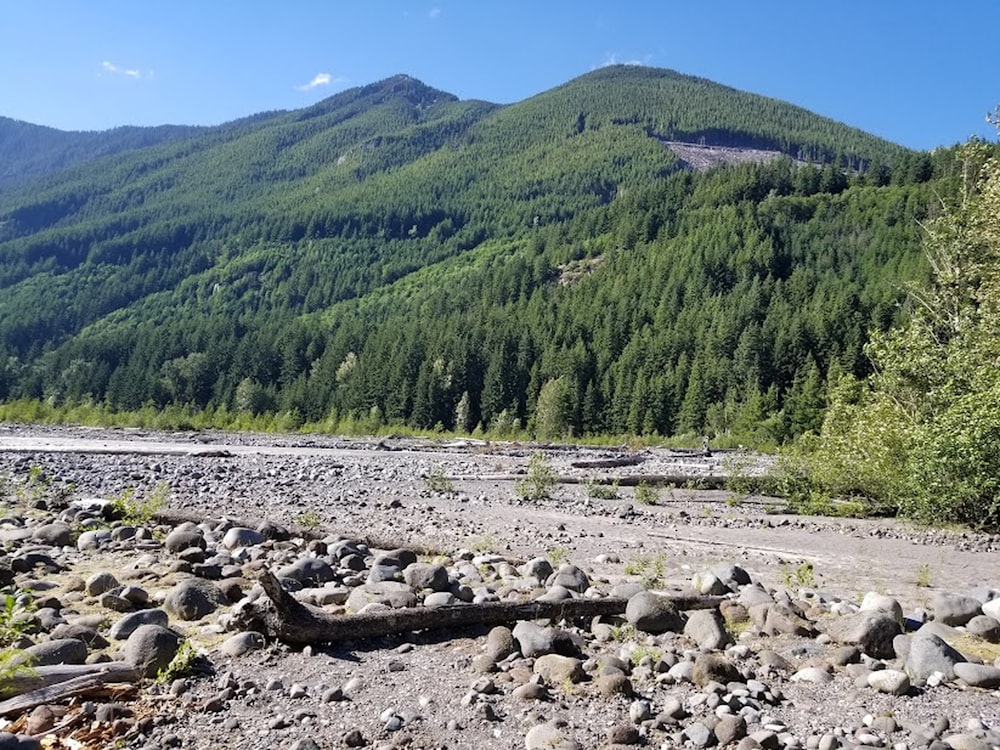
x=49 y=684
x=283 y=617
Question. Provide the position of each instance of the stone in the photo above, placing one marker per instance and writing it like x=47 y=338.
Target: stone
x=80 y=632
x=125 y=626
x=929 y=653
x=100 y=583
x=182 y=538
x=570 y=577
x=978 y=675
x=782 y=619
x=59 y=651
x=985 y=627
x=623 y=734
x=441 y=599
x=653 y=613
x=704 y=627
x=614 y=684
x=815 y=675
x=394 y=594
x=500 y=643
x=194 y=598
x=57 y=534
x=952 y=609
x=308 y=570
x=712 y=667
x=534 y=640
x=556 y=669
x=538 y=568
x=151 y=648
x=92 y=539
x=708 y=584
x=890 y=681
x=732 y=575
x=731 y=728
x=699 y=734
x=876 y=602
x=240 y=536
x=242 y=643
x=548 y=737
x=10 y=741
x=872 y=631
x=530 y=691
x=426 y=576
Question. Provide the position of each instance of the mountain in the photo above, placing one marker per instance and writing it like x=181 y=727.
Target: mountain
x=28 y=152
x=393 y=252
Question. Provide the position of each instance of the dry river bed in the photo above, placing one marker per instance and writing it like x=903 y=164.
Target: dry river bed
x=434 y=688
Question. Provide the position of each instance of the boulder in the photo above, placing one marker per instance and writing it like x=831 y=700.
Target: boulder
x=652 y=613
x=194 y=598
x=151 y=648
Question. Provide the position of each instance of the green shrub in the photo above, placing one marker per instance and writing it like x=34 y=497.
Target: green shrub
x=539 y=482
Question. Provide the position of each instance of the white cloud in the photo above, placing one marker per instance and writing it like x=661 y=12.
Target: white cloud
x=612 y=59
x=112 y=69
x=320 y=79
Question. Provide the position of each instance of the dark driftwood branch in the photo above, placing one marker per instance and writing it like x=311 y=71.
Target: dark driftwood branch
x=608 y=463
x=290 y=620
x=54 y=683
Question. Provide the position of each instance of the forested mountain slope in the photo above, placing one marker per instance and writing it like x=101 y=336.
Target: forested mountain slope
x=396 y=253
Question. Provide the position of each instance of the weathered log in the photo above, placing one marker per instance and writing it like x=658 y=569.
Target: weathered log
x=609 y=463
x=289 y=620
x=53 y=683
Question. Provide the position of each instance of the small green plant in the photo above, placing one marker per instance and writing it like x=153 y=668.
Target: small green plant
x=140 y=511
x=804 y=575
x=641 y=652
x=599 y=491
x=309 y=519
x=184 y=664
x=36 y=485
x=923 y=578
x=650 y=570
x=558 y=556
x=623 y=632
x=14 y=662
x=486 y=543
x=646 y=494
x=15 y=617
x=539 y=482
x=439 y=483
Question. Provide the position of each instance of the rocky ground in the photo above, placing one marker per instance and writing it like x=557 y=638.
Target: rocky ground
x=120 y=546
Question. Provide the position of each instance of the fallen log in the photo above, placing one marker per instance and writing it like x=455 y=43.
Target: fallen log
x=283 y=617
x=49 y=684
x=609 y=463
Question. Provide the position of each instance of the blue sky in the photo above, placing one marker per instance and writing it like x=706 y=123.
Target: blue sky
x=920 y=73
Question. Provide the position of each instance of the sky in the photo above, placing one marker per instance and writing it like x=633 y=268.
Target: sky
x=920 y=73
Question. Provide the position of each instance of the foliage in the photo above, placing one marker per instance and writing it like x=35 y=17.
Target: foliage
x=186 y=663
x=921 y=437
x=15 y=616
x=539 y=481
x=600 y=491
x=139 y=511
x=558 y=556
x=923 y=577
x=649 y=568
x=646 y=494
x=437 y=481
x=803 y=575
x=309 y=519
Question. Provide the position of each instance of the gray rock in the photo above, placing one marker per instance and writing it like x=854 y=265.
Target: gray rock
x=393 y=594
x=125 y=626
x=538 y=568
x=441 y=599
x=709 y=584
x=10 y=741
x=782 y=619
x=713 y=668
x=151 y=648
x=397 y=558
x=556 y=669
x=732 y=575
x=928 y=654
x=954 y=610
x=985 y=627
x=380 y=573
x=80 y=632
x=530 y=691
x=815 y=675
x=242 y=643
x=623 y=734
x=92 y=539
x=308 y=570
x=500 y=643
x=182 y=538
x=652 y=613
x=753 y=595
x=731 y=728
x=194 y=598
x=698 y=734
x=570 y=577
x=534 y=640
x=240 y=536
x=100 y=583
x=978 y=675
x=55 y=534
x=58 y=651
x=876 y=602
x=704 y=627
x=426 y=576
x=548 y=737
x=891 y=681
x=872 y=631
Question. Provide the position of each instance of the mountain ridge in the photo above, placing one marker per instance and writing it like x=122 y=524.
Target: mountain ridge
x=286 y=250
